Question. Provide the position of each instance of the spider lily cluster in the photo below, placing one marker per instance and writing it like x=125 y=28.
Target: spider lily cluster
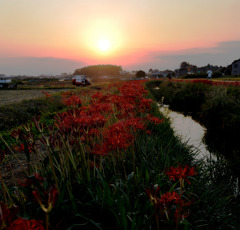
x=93 y=136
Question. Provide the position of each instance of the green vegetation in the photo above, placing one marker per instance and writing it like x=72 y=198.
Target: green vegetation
x=216 y=107
x=216 y=74
x=99 y=70
x=112 y=161
x=14 y=115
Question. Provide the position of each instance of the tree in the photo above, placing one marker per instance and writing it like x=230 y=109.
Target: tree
x=140 y=73
x=99 y=70
x=184 y=65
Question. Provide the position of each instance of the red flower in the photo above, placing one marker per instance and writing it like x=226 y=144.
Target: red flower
x=171 y=203
x=19 y=148
x=136 y=123
x=168 y=205
x=154 y=120
x=170 y=198
x=7 y=215
x=23 y=224
x=72 y=101
x=100 y=150
x=181 y=173
x=118 y=136
x=46 y=94
x=16 y=133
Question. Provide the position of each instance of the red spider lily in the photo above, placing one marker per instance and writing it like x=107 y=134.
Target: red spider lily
x=94 y=132
x=126 y=109
x=7 y=215
x=154 y=120
x=38 y=177
x=100 y=150
x=145 y=104
x=67 y=94
x=28 y=182
x=132 y=90
x=46 y=94
x=100 y=98
x=170 y=197
x=148 y=132
x=97 y=95
x=168 y=205
x=16 y=133
x=118 y=136
x=73 y=101
x=103 y=108
x=22 y=224
x=136 y=123
x=171 y=202
x=19 y=148
x=181 y=173
x=51 y=199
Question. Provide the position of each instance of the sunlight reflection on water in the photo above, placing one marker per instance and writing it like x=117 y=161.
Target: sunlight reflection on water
x=189 y=131
x=192 y=133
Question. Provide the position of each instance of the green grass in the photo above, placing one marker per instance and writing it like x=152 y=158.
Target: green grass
x=95 y=198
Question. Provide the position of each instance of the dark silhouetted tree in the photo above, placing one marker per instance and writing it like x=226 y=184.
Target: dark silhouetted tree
x=140 y=73
x=99 y=70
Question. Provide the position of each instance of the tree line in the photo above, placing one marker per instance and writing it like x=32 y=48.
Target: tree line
x=99 y=70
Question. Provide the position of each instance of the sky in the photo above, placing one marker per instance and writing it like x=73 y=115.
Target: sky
x=56 y=36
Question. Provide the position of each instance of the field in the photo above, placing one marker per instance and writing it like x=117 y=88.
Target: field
x=15 y=96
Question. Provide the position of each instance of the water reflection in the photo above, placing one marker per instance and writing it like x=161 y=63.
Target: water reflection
x=193 y=133
x=190 y=131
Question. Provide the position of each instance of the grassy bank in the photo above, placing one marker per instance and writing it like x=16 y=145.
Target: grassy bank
x=217 y=107
x=112 y=162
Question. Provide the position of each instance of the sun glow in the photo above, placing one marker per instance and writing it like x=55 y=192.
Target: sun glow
x=103 y=38
x=104 y=45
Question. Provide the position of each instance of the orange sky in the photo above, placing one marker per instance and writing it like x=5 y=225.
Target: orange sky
x=138 y=34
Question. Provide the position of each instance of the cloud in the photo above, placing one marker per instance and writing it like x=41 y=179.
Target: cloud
x=222 y=54
x=36 y=66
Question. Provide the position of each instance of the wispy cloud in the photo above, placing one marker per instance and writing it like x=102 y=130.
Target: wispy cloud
x=223 y=53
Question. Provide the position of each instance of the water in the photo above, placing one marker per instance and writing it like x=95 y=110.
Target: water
x=192 y=133
x=189 y=131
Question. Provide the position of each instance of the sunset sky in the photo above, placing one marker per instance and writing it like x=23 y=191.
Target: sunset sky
x=55 y=36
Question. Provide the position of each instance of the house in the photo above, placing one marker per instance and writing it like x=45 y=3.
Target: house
x=160 y=74
x=236 y=67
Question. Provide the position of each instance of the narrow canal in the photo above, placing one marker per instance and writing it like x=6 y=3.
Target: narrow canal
x=192 y=133
x=189 y=131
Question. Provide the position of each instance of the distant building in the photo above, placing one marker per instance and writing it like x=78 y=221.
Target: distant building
x=236 y=67
x=160 y=74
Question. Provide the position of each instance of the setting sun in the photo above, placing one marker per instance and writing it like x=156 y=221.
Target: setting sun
x=104 y=45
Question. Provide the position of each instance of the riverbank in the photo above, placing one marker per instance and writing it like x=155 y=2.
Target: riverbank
x=112 y=161
x=216 y=107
